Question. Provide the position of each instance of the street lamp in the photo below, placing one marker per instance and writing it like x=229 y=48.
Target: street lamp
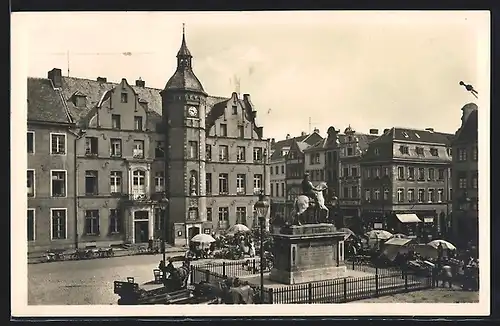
x=334 y=201
x=164 y=206
x=261 y=207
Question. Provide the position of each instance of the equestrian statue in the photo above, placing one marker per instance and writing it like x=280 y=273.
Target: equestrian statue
x=309 y=207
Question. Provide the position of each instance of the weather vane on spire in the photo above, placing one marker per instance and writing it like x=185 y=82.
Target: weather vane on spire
x=469 y=88
x=183 y=28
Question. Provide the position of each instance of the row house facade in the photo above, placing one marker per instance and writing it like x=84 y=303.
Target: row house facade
x=465 y=218
x=351 y=148
x=133 y=147
x=405 y=181
x=50 y=169
x=286 y=169
x=322 y=164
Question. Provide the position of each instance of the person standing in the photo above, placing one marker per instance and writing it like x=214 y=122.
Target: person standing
x=446 y=275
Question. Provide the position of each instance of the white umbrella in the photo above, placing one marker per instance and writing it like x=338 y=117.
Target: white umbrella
x=238 y=228
x=203 y=238
x=400 y=236
x=444 y=244
x=379 y=234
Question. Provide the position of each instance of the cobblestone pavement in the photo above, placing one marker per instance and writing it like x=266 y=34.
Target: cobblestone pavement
x=437 y=295
x=84 y=282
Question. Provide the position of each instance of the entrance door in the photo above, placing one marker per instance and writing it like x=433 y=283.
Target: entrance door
x=141 y=231
x=192 y=231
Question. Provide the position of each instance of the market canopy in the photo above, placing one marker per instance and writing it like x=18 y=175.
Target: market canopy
x=203 y=238
x=397 y=242
x=238 y=228
x=408 y=218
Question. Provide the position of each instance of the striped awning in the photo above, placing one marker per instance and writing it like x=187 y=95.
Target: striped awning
x=408 y=218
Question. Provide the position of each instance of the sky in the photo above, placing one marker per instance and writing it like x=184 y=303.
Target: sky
x=304 y=70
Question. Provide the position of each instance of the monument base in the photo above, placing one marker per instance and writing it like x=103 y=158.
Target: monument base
x=306 y=276
x=308 y=253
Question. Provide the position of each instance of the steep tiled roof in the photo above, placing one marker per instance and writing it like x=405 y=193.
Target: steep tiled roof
x=279 y=145
x=94 y=90
x=421 y=136
x=363 y=141
x=469 y=130
x=184 y=79
x=45 y=103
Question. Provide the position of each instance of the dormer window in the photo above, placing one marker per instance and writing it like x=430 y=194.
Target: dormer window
x=405 y=134
x=417 y=135
x=376 y=151
x=79 y=99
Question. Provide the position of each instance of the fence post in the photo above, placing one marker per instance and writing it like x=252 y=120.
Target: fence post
x=223 y=268
x=376 y=270
x=406 y=280
x=310 y=293
x=192 y=275
x=353 y=260
x=345 y=290
x=270 y=291
x=253 y=267
x=207 y=275
x=376 y=285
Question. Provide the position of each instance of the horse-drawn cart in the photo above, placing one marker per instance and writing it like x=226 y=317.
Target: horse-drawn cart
x=131 y=294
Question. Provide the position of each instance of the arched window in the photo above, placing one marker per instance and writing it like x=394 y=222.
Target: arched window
x=138 y=182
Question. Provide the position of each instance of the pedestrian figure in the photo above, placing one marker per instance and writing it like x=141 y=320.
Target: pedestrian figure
x=446 y=275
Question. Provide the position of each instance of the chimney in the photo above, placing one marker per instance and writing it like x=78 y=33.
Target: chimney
x=140 y=83
x=316 y=130
x=386 y=130
x=56 y=76
x=303 y=133
x=273 y=141
x=373 y=131
x=102 y=79
x=429 y=129
x=287 y=136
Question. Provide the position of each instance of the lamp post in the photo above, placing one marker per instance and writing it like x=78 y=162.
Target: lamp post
x=334 y=202
x=164 y=206
x=261 y=208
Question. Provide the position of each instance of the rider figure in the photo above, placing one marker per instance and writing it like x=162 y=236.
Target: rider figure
x=309 y=189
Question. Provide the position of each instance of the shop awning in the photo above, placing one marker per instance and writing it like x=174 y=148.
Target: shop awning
x=408 y=218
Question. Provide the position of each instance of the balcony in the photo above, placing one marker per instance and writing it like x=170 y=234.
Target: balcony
x=141 y=198
x=138 y=153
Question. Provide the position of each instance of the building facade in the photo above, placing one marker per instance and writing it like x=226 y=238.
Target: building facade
x=51 y=179
x=405 y=181
x=287 y=165
x=465 y=178
x=133 y=147
x=352 y=145
x=217 y=157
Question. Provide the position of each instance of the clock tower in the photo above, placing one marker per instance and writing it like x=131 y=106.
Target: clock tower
x=184 y=112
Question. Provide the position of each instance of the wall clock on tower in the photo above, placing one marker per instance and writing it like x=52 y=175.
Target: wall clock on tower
x=192 y=111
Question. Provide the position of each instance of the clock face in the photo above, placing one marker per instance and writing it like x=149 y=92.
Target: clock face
x=192 y=111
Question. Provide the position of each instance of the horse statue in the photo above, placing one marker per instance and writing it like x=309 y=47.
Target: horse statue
x=304 y=210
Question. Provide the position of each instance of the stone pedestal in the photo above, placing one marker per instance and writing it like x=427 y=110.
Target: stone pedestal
x=308 y=253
